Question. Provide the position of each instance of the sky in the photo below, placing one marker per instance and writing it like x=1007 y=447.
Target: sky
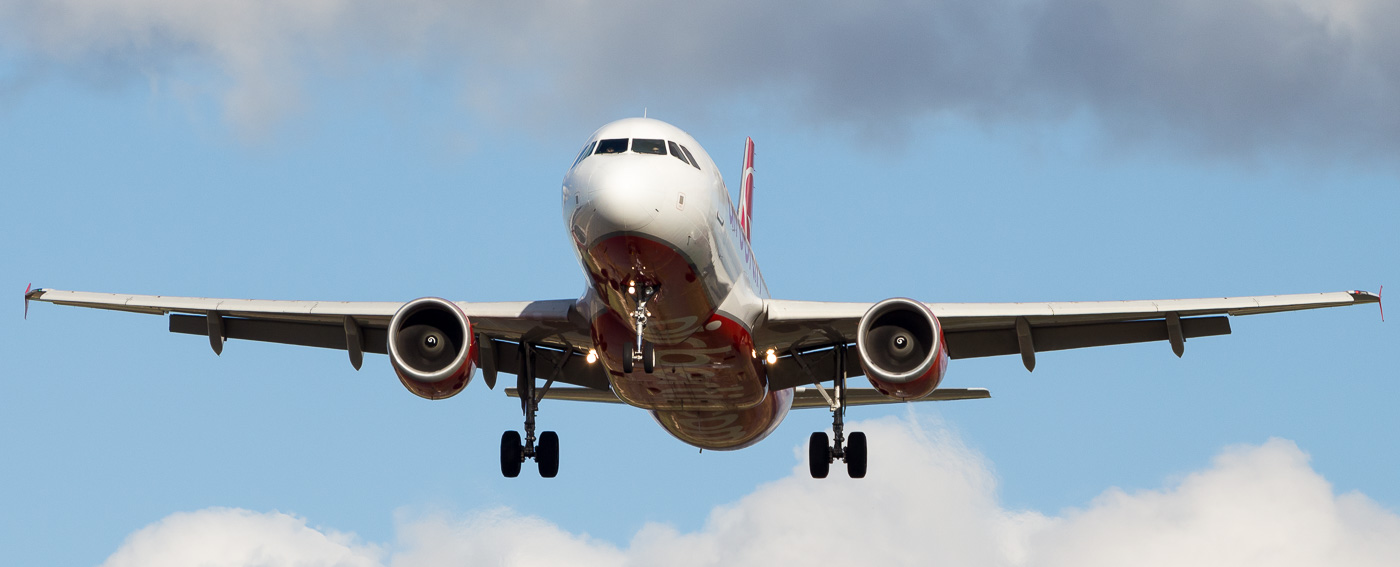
x=1005 y=150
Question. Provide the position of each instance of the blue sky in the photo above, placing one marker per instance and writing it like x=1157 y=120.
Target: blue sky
x=332 y=151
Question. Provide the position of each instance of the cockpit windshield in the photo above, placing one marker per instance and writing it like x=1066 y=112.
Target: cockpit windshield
x=614 y=146
x=638 y=145
x=645 y=146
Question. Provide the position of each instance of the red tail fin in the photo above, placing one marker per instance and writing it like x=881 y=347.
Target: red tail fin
x=746 y=189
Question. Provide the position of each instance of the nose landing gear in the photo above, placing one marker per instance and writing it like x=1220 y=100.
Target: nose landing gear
x=646 y=354
x=643 y=351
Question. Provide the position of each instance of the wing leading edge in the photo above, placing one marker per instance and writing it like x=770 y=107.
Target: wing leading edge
x=791 y=327
x=992 y=329
x=500 y=326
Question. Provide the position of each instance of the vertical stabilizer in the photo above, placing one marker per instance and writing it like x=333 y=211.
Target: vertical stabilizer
x=746 y=189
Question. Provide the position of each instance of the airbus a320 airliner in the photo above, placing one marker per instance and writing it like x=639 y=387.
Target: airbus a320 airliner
x=675 y=319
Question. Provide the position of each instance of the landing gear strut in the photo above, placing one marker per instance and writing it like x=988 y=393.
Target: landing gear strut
x=643 y=351
x=513 y=452
x=852 y=451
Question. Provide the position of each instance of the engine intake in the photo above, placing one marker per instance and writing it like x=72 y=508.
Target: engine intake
x=431 y=347
x=901 y=348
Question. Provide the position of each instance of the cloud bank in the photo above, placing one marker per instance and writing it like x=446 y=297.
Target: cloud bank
x=1219 y=77
x=929 y=501
x=217 y=537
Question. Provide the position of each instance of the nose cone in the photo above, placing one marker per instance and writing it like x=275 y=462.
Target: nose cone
x=625 y=198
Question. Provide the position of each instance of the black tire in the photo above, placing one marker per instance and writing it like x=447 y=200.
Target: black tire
x=547 y=454
x=648 y=357
x=819 y=455
x=627 y=361
x=855 y=455
x=510 y=454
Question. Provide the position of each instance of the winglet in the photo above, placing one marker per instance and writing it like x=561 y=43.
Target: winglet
x=1368 y=297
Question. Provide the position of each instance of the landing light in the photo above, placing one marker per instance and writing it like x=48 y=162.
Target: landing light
x=592 y=356
x=772 y=356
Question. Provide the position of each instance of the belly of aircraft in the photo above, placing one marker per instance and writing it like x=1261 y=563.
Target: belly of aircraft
x=709 y=386
x=704 y=360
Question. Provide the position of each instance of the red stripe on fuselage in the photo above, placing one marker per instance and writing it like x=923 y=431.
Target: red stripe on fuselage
x=746 y=190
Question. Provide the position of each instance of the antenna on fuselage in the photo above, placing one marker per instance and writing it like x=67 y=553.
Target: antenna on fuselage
x=644 y=112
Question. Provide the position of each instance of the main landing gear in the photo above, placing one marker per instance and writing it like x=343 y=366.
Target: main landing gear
x=513 y=452
x=820 y=455
x=643 y=351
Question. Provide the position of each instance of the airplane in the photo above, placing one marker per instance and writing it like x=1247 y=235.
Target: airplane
x=676 y=319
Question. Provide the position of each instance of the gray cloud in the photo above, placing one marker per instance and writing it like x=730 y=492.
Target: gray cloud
x=929 y=501
x=1231 y=77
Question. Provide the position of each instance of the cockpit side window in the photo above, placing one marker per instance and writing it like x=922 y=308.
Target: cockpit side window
x=676 y=151
x=613 y=146
x=694 y=163
x=645 y=146
x=587 y=150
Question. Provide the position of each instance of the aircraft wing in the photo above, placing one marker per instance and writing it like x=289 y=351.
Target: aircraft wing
x=332 y=324
x=991 y=329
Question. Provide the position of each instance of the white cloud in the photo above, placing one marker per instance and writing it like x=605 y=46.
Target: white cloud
x=496 y=537
x=1257 y=505
x=217 y=537
x=1213 y=76
x=928 y=500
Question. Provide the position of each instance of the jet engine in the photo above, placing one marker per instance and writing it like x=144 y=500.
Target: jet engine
x=901 y=348
x=431 y=347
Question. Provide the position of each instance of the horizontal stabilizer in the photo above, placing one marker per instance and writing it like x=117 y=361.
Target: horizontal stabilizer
x=574 y=395
x=803 y=397
x=807 y=397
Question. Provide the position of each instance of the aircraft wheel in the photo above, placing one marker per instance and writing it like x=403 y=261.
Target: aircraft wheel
x=818 y=455
x=648 y=357
x=547 y=454
x=510 y=454
x=855 y=455
x=627 y=362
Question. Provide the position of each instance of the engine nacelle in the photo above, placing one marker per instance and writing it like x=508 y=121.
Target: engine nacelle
x=431 y=347
x=901 y=348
